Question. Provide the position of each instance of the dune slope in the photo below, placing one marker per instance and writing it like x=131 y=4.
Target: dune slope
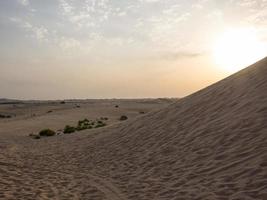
x=209 y=145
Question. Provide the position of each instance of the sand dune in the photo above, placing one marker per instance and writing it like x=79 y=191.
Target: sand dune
x=209 y=145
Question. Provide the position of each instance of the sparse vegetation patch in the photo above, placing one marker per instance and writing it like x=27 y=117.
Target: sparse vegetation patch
x=100 y=124
x=123 y=118
x=47 y=133
x=5 y=116
x=81 y=125
x=104 y=118
x=69 y=129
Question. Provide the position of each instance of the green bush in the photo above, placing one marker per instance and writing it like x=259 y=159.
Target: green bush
x=83 y=122
x=84 y=127
x=89 y=127
x=123 y=117
x=100 y=125
x=99 y=122
x=5 y=116
x=47 y=133
x=104 y=118
x=69 y=129
x=80 y=128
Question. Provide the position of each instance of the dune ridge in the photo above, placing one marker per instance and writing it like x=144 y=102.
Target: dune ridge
x=209 y=145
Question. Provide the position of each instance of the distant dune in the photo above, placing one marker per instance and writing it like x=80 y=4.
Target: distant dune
x=209 y=145
x=9 y=101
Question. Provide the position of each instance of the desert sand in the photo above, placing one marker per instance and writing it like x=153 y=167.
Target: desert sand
x=209 y=145
x=32 y=116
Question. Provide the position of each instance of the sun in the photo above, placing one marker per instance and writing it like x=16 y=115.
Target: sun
x=238 y=48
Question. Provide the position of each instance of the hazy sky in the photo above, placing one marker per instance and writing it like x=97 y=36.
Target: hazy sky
x=53 y=49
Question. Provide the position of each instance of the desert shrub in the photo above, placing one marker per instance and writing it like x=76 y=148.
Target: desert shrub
x=84 y=124
x=123 y=117
x=104 y=118
x=80 y=128
x=85 y=121
x=80 y=122
x=47 y=133
x=99 y=122
x=116 y=106
x=141 y=112
x=62 y=102
x=100 y=125
x=83 y=127
x=69 y=129
x=5 y=116
x=36 y=137
x=49 y=111
x=89 y=127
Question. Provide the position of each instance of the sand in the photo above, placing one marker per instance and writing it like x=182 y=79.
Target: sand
x=209 y=145
x=32 y=116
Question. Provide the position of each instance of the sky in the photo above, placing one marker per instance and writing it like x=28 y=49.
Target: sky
x=60 y=49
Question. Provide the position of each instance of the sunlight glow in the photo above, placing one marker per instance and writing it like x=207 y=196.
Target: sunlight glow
x=238 y=48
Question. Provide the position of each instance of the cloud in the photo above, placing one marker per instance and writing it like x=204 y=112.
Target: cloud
x=179 y=55
x=149 y=1
x=24 y=2
x=253 y=11
x=76 y=47
x=123 y=13
x=69 y=44
x=87 y=13
x=165 y=30
x=66 y=7
x=165 y=27
x=38 y=32
x=247 y=3
x=199 y=4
